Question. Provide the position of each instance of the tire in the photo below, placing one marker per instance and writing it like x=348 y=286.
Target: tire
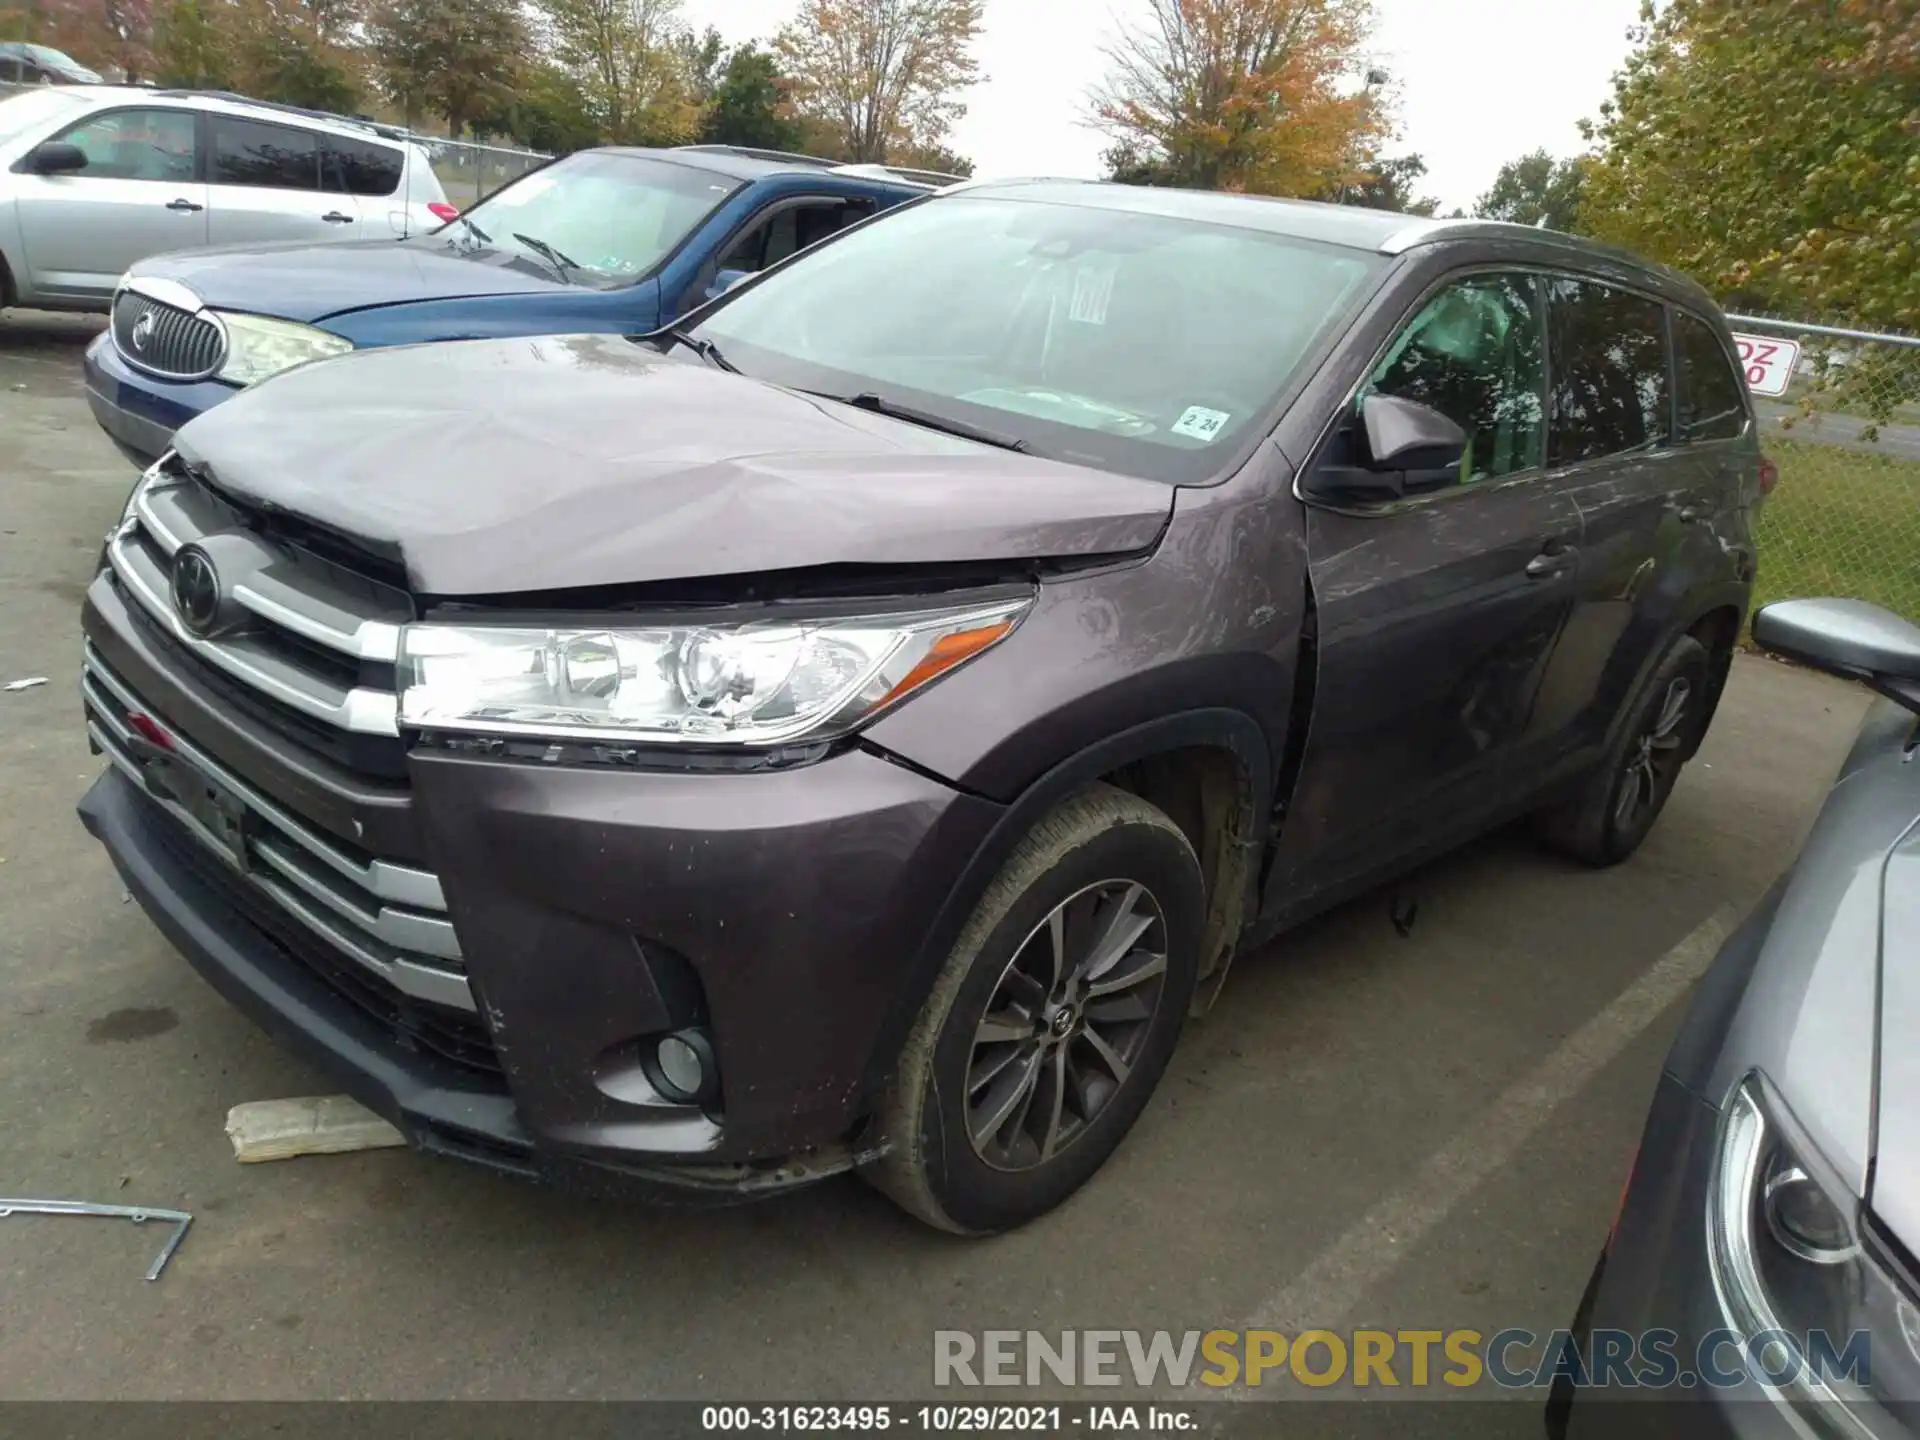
x=1108 y=865
x=1616 y=809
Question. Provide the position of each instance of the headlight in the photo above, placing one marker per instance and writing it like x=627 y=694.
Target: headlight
x=757 y=683
x=258 y=347
x=1795 y=1281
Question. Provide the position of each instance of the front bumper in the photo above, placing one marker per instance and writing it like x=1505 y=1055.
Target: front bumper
x=800 y=900
x=140 y=412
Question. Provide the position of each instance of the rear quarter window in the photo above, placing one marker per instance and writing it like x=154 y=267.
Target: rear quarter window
x=1713 y=397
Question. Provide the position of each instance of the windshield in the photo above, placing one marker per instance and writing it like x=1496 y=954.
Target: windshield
x=33 y=108
x=1128 y=341
x=604 y=220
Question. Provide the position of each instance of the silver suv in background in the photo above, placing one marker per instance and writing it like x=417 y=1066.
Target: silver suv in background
x=95 y=177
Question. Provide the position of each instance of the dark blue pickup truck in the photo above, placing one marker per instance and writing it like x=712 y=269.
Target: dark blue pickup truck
x=618 y=240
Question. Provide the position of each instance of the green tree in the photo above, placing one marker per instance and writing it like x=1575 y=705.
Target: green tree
x=750 y=104
x=1390 y=184
x=547 y=111
x=1536 y=189
x=455 y=58
x=879 y=76
x=703 y=58
x=1257 y=95
x=1771 y=148
x=193 y=47
x=623 y=55
x=279 y=56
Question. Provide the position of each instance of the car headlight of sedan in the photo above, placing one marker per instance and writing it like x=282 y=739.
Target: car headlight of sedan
x=757 y=683
x=1822 y=1323
x=259 y=347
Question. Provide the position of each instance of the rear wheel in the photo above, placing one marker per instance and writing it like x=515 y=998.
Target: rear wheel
x=1050 y=1023
x=1609 y=819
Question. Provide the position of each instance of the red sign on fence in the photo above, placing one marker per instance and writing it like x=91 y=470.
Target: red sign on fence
x=1768 y=362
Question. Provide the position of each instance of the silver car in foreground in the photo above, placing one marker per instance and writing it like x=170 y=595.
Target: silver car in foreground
x=95 y=177
x=1761 y=1278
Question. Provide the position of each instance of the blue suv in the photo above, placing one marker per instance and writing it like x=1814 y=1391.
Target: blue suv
x=612 y=240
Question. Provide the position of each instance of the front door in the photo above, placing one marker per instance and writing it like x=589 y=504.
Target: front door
x=138 y=195
x=1437 y=615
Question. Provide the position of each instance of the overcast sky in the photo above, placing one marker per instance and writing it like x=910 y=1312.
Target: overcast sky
x=1482 y=81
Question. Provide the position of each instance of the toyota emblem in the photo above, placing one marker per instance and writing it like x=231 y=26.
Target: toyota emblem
x=142 y=330
x=196 y=589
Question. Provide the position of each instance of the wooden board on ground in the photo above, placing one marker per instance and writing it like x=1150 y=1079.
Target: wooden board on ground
x=316 y=1125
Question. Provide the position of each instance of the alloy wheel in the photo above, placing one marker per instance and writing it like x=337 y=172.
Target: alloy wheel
x=1655 y=758
x=1066 y=1023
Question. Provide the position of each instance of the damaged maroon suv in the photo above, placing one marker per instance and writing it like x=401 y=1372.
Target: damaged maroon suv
x=855 y=731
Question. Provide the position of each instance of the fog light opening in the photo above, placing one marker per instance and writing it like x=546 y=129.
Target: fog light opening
x=683 y=1069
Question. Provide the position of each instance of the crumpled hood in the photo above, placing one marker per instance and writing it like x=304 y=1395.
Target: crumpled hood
x=299 y=280
x=547 y=463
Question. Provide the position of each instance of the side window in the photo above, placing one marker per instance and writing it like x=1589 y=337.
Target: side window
x=787 y=231
x=356 y=167
x=1610 y=386
x=1474 y=354
x=1713 y=398
x=276 y=157
x=136 y=145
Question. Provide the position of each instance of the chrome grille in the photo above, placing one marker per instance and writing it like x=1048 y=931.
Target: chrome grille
x=388 y=919
x=318 y=639
x=166 y=340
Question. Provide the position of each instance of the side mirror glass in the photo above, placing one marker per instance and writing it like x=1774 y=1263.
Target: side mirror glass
x=1846 y=637
x=725 y=281
x=56 y=157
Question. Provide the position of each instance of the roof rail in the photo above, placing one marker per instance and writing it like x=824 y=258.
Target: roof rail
x=750 y=152
x=899 y=172
x=362 y=122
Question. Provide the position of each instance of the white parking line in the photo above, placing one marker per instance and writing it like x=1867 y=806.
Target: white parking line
x=1323 y=1294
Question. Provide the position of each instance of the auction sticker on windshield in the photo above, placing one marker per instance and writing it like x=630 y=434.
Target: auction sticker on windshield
x=1200 y=423
x=1769 y=363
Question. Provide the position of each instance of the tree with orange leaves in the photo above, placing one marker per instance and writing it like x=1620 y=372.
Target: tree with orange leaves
x=1268 y=96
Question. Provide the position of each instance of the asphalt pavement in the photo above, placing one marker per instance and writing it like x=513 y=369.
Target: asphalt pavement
x=1419 y=1130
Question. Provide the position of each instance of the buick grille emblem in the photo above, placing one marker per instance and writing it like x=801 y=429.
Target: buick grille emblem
x=142 y=331
x=196 y=589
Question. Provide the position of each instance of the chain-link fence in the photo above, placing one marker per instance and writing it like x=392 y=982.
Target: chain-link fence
x=1845 y=518
x=469 y=172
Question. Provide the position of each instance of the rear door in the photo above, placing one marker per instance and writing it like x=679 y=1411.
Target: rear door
x=139 y=195
x=1437 y=614
x=264 y=182
x=1613 y=449
x=371 y=173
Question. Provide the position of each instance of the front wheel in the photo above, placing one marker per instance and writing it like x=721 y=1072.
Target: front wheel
x=1050 y=1023
x=1606 y=822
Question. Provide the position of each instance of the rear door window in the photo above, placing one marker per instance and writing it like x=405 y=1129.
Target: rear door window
x=355 y=167
x=1610 y=391
x=274 y=157
x=1713 y=398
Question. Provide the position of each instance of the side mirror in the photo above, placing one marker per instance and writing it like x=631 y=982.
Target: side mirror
x=1849 y=638
x=725 y=281
x=1408 y=448
x=56 y=157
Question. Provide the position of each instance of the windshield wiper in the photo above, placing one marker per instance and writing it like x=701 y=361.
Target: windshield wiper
x=540 y=247
x=894 y=410
x=705 y=349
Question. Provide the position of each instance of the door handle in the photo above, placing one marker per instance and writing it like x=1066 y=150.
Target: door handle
x=334 y=217
x=184 y=205
x=1549 y=563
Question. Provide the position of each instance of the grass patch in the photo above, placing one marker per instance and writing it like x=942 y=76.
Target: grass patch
x=1841 y=522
